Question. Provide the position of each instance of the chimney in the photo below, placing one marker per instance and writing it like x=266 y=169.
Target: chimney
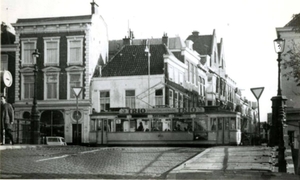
x=165 y=39
x=94 y=7
x=189 y=44
x=195 y=33
x=127 y=41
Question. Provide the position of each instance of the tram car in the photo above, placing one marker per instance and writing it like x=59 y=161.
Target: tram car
x=210 y=126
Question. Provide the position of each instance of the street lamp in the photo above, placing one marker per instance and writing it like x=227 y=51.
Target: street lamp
x=35 y=114
x=147 y=50
x=278 y=114
x=77 y=91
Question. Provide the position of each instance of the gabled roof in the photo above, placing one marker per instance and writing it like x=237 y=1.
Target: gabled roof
x=132 y=60
x=202 y=44
x=174 y=43
x=295 y=22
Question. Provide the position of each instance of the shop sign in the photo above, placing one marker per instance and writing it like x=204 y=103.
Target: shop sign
x=191 y=110
x=161 y=110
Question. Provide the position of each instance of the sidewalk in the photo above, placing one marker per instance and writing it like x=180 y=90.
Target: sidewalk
x=229 y=162
x=20 y=146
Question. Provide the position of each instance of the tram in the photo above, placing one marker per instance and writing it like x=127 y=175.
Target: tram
x=210 y=126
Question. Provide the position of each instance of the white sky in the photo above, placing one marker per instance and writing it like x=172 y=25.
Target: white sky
x=246 y=26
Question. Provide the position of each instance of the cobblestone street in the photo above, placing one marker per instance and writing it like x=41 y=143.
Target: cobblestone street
x=93 y=162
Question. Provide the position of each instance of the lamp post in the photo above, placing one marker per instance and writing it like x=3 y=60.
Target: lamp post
x=278 y=114
x=35 y=114
x=77 y=91
x=147 y=50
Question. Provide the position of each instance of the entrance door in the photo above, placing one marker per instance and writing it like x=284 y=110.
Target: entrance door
x=76 y=133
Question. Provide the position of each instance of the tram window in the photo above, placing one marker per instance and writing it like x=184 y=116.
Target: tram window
x=93 y=125
x=232 y=124
x=99 y=124
x=110 y=125
x=156 y=125
x=220 y=123
x=200 y=125
x=182 y=124
x=142 y=125
x=213 y=122
x=226 y=123
x=133 y=125
x=122 y=125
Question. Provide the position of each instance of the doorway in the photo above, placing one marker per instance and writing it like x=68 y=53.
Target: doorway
x=76 y=136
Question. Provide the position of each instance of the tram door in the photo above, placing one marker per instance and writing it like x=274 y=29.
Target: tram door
x=223 y=131
x=102 y=131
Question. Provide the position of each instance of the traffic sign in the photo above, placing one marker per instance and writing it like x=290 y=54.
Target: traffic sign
x=257 y=92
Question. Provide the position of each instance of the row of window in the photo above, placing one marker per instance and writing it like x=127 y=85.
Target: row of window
x=52 y=50
x=51 y=85
x=165 y=124
x=130 y=99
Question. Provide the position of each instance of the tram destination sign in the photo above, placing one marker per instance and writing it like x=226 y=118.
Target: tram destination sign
x=162 y=110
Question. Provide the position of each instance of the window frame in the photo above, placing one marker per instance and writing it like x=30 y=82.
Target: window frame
x=47 y=40
x=69 y=85
x=69 y=40
x=23 y=42
x=132 y=98
x=46 y=75
x=23 y=75
x=104 y=99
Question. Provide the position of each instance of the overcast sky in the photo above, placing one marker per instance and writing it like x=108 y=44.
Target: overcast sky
x=246 y=26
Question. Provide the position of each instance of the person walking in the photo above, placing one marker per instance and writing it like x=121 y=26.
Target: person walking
x=7 y=120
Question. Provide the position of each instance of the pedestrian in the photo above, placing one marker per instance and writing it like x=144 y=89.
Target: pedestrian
x=7 y=120
x=140 y=128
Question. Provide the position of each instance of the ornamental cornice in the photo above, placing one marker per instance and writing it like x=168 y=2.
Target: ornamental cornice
x=46 y=28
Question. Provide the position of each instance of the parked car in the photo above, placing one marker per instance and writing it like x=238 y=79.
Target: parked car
x=55 y=141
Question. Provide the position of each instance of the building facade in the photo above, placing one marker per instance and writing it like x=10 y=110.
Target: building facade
x=291 y=88
x=8 y=54
x=70 y=50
